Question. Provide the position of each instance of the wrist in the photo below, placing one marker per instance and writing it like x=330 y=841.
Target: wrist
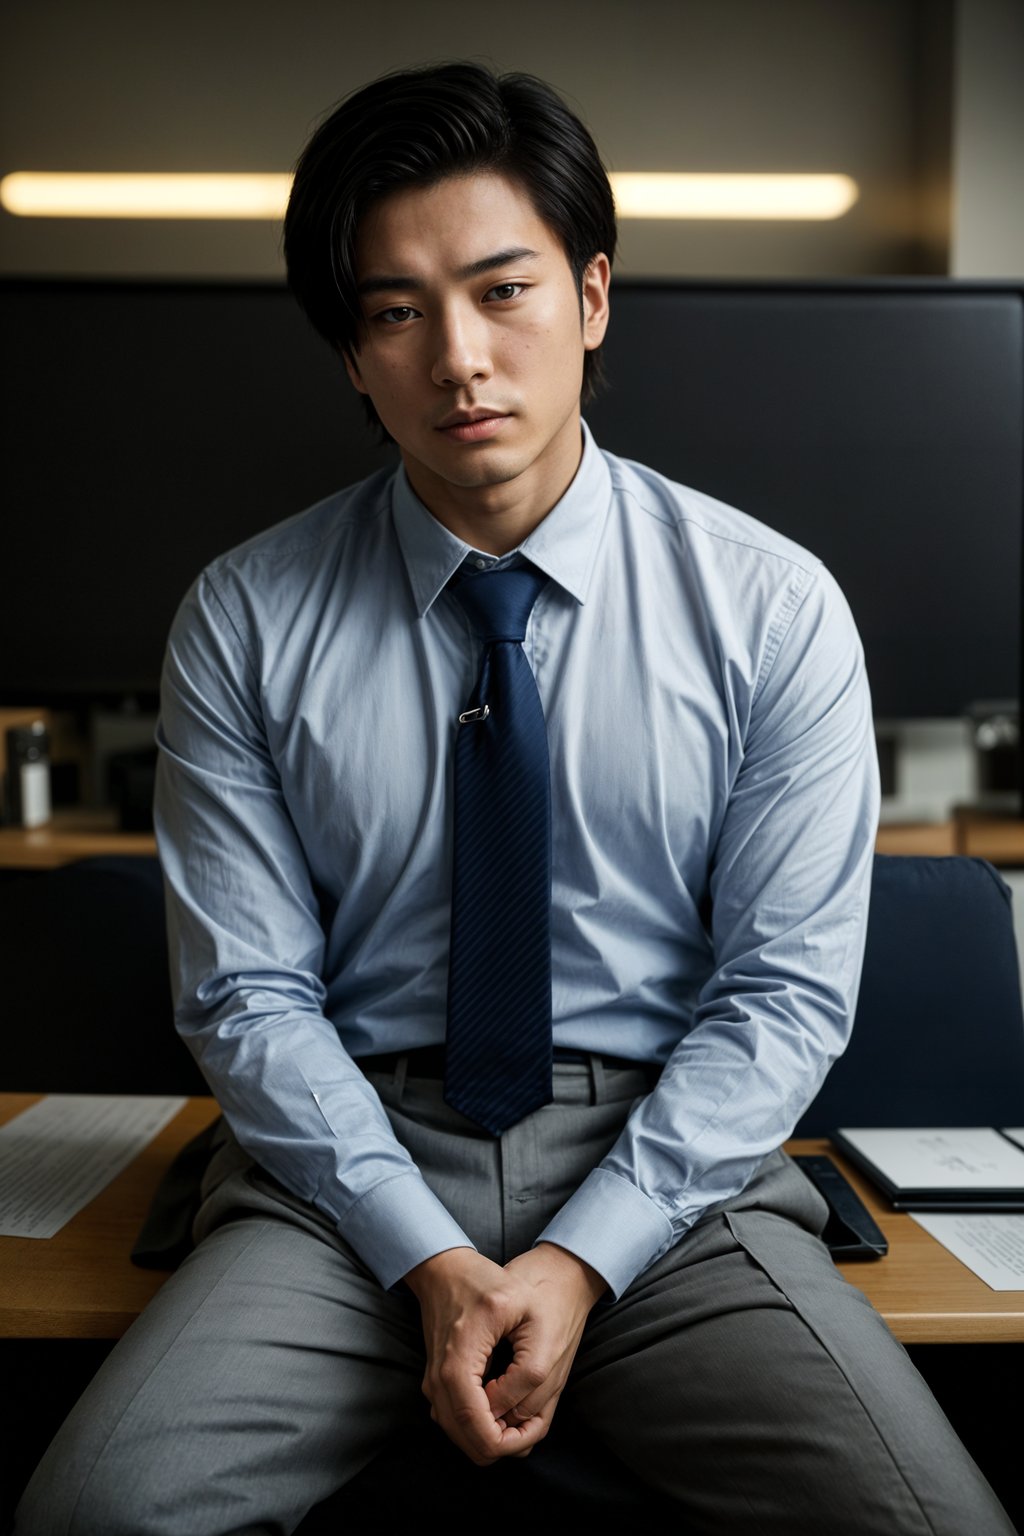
x=591 y=1284
x=439 y=1268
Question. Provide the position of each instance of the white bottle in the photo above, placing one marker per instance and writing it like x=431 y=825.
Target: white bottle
x=28 y=774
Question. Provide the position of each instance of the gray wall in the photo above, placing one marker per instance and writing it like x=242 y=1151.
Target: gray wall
x=858 y=86
x=988 y=140
x=921 y=101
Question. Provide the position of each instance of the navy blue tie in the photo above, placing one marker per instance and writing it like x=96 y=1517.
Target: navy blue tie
x=498 y=1041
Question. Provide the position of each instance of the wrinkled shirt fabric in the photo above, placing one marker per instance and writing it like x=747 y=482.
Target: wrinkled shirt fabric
x=714 y=803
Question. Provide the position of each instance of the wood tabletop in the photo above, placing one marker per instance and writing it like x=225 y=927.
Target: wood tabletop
x=71 y=835
x=925 y=1294
x=81 y=1283
x=86 y=832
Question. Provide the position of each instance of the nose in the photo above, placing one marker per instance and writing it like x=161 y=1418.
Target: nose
x=462 y=354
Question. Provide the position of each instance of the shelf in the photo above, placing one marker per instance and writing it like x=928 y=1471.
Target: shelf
x=84 y=834
x=71 y=835
x=921 y=838
x=984 y=835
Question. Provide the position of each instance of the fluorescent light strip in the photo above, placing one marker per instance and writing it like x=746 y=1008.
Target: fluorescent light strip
x=638 y=195
x=654 y=195
x=92 y=195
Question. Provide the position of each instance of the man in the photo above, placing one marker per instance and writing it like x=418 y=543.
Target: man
x=336 y=810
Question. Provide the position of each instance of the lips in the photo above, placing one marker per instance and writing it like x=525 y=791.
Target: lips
x=473 y=426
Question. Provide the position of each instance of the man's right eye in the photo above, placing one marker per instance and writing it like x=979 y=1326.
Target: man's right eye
x=396 y=314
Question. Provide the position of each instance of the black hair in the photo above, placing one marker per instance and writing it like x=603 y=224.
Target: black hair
x=415 y=128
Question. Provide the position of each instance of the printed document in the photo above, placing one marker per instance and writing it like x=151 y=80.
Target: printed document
x=991 y=1246
x=58 y=1154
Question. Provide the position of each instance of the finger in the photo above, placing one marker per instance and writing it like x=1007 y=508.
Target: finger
x=542 y=1401
x=465 y=1416
x=520 y=1440
x=505 y=1439
x=480 y=1449
x=522 y=1391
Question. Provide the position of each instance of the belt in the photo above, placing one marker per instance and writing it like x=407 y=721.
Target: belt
x=428 y=1061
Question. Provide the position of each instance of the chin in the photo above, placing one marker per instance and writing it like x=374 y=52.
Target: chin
x=479 y=469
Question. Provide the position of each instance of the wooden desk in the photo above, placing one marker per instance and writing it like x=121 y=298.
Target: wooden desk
x=922 y=838
x=84 y=834
x=924 y=1293
x=71 y=835
x=978 y=834
x=82 y=1283
x=986 y=835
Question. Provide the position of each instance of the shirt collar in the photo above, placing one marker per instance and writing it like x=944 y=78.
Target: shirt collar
x=564 y=545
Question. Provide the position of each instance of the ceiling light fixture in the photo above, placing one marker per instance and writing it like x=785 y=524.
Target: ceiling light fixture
x=638 y=195
x=671 y=195
x=93 y=195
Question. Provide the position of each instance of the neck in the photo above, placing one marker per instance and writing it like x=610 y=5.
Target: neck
x=498 y=516
x=494 y=527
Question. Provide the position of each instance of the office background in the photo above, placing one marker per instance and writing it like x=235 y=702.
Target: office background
x=919 y=101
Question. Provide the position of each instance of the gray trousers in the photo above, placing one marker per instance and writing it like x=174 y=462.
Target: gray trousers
x=740 y=1374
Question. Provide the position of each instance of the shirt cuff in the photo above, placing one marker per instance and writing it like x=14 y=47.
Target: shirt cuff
x=612 y=1226
x=398 y=1224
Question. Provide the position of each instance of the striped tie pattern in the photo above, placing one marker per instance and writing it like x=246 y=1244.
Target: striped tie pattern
x=498 y=1041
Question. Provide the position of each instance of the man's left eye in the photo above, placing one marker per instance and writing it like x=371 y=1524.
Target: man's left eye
x=502 y=291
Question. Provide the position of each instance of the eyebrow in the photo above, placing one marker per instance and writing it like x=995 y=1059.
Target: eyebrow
x=388 y=284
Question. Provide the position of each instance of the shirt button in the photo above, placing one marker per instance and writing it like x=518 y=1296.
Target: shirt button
x=481 y=565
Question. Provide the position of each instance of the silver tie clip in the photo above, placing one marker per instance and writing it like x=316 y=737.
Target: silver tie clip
x=474 y=716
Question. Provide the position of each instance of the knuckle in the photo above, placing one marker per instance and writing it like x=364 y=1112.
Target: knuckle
x=495 y=1304
x=448 y=1373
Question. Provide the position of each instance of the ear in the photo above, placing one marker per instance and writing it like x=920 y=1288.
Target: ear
x=596 y=282
x=352 y=369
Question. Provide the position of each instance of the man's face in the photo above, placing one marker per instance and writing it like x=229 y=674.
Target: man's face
x=472 y=349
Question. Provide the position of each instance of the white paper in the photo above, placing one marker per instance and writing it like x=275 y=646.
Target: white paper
x=58 y=1154
x=976 y=1158
x=1018 y=1135
x=991 y=1246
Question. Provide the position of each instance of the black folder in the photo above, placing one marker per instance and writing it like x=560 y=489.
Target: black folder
x=940 y=1168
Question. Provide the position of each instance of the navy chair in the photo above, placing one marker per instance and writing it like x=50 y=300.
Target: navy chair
x=87 y=1002
x=939 y=1033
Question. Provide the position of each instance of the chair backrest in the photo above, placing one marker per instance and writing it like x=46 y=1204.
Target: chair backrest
x=86 y=992
x=939 y=1034
x=938 y=1038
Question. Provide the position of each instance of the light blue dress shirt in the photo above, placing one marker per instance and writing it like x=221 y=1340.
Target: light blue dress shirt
x=714 y=802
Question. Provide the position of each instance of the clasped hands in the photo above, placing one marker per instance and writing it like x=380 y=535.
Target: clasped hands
x=539 y=1302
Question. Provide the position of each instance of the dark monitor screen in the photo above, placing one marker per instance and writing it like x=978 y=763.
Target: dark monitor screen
x=145 y=428
x=880 y=426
